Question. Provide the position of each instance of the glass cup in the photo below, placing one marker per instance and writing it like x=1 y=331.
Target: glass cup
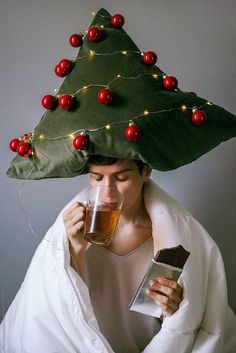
x=103 y=209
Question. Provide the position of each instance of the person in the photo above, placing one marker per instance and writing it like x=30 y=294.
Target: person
x=132 y=245
x=74 y=297
x=113 y=272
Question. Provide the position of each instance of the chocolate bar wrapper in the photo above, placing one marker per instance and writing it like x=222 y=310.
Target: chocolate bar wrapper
x=167 y=263
x=141 y=302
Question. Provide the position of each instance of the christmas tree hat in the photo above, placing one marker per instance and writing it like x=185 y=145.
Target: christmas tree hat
x=114 y=101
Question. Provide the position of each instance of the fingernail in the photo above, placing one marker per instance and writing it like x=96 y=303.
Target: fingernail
x=151 y=283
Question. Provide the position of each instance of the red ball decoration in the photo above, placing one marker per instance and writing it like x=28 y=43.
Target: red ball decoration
x=66 y=101
x=65 y=66
x=132 y=132
x=81 y=142
x=105 y=96
x=170 y=83
x=76 y=40
x=149 y=58
x=49 y=101
x=14 y=144
x=59 y=72
x=94 y=34
x=199 y=117
x=117 y=20
x=24 y=149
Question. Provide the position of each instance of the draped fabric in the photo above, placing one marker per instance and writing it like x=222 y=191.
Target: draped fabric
x=52 y=311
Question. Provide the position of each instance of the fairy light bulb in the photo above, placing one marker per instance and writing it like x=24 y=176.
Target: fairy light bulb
x=108 y=126
x=146 y=112
x=183 y=107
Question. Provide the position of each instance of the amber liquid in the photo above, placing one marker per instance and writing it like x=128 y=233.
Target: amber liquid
x=100 y=225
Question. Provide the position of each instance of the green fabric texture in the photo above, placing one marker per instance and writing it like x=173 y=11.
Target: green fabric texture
x=169 y=139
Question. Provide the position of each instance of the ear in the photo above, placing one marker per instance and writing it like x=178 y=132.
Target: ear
x=147 y=172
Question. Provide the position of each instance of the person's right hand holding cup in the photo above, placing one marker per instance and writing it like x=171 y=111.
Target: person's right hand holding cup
x=103 y=209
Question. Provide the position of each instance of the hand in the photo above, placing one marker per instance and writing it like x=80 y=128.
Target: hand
x=73 y=219
x=167 y=293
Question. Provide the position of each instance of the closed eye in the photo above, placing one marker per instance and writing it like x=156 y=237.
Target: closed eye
x=98 y=179
x=121 y=179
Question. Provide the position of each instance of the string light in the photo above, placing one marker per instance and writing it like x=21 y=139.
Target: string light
x=84 y=88
x=124 y=52
x=109 y=126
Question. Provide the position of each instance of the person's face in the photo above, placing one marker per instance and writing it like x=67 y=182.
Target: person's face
x=123 y=176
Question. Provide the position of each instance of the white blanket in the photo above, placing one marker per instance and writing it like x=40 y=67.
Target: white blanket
x=52 y=312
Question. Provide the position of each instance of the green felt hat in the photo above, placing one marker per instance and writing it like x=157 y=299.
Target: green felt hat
x=114 y=101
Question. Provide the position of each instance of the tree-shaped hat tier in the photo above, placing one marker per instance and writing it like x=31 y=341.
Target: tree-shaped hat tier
x=116 y=102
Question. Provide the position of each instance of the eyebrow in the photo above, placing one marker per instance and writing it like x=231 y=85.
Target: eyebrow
x=119 y=172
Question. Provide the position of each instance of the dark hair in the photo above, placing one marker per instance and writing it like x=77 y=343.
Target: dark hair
x=103 y=160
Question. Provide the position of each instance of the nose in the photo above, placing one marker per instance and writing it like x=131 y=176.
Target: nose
x=109 y=196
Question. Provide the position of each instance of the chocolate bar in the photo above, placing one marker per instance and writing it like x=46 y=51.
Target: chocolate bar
x=167 y=263
x=173 y=256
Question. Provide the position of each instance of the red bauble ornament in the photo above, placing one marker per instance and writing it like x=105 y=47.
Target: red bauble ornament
x=76 y=40
x=13 y=144
x=132 y=132
x=170 y=83
x=66 y=101
x=199 y=117
x=94 y=34
x=49 y=101
x=81 y=142
x=105 y=96
x=117 y=20
x=59 y=72
x=24 y=149
x=65 y=66
x=149 y=58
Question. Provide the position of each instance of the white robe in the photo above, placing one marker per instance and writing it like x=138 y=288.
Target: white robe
x=52 y=312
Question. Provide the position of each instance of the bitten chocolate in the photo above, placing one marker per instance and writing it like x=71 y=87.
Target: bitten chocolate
x=176 y=256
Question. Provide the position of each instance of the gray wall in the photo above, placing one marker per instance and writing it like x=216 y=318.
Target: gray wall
x=194 y=40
